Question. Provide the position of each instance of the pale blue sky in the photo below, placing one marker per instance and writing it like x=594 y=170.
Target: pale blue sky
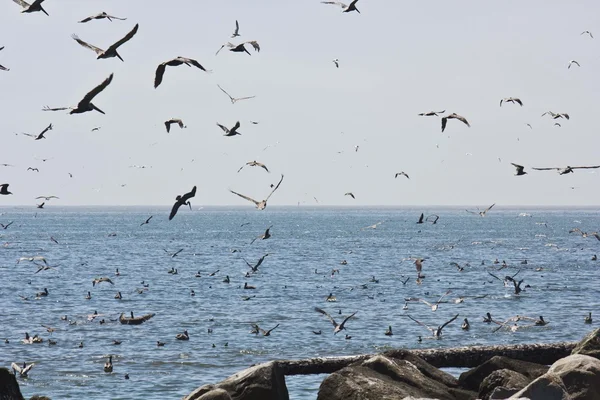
x=397 y=59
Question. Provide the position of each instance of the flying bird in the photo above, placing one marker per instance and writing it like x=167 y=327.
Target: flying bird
x=337 y=327
x=230 y=132
x=520 y=169
x=437 y=332
x=234 y=99
x=261 y=205
x=481 y=213
x=101 y=15
x=181 y=200
x=1 y=67
x=400 y=174
x=455 y=116
x=256 y=329
x=100 y=280
x=350 y=194
x=22 y=370
x=567 y=169
x=41 y=135
x=47 y=198
x=33 y=7
x=420 y=221
x=432 y=113
x=4 y=190
x=33 y=169
x=556 y=115
x=160 y=70
x=239 y=48
x=511 y=100
x=86 y=104
x=573 y=62
x=264 y=236
x=345 y=7
x=254 y=268
x=237 y=30
x=254 y=164
x=174 y=121
x=337 y=63
x=433 y=306
x=147 y=221
x=587 y=32
x=112 y=50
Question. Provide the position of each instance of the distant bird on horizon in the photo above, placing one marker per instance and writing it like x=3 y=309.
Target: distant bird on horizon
x=86 y=104
x=350 y=194
x=237 y=30
x=511 y=100
x=33 y=7
x=239 y=48
x=112 y=50
x=520 y=169
x=261 y=205
x=4 y=190
x=160 y=70
x=573 y=62
x=230 y=132
x=345 y=7
x=400 y=174
x=182 y=200
x=432 y=113
x=454 y=116
x=174 y=121
x=101 y=15
x=587 y=32
x=234 y=99
x=567 y=169
x=556 y=115
x=41 y=135
x=481 y=213
x=47 y=198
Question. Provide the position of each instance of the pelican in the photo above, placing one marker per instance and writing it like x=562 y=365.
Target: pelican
x=181 y=200
x=101 y=15
x=389 y=332
x=258 y=329
x=401 y=174
x=108 y=367
x=511 y=100
x=160 y=70
x=437 y=332
x=4 y=191
x=23 y=370
x=556 y=115
x=230 y=132
x=254 y=268
x=33 y=7
x=432 y=113
x=254 y=164
x=42 y=294
x=112 y=50
x=520 y=169
x=174 y=121
x=264 y=236
x=41 y=135
x=481 y=213
x=465 y=325
x=237 y=30
x=86 y=104
x=337 y=327
x=350 y=194
x=573 y=62
x=239 y=48
x=183 y=336
x=249 y=287
x=100 y=280
x=567 y=169
x=586 y=32
x=588 y=319
x=454 y=116
x=145 y=223
x=345 y=7
x=260 y=205
x=234 y=99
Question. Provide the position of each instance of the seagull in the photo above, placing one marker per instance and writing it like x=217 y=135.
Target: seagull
x=437 y=332
x=520 y=169
x=101 y=15
x=237 y=30
x=33 y=169
x=230 y=132
x=264 y=236
x=4 y=190
x=160 y=70
x=239 y=48
x=573 y=62
x=400 y=174
x=41 y=135
x=86 y=104
x=174 y=121
x=346 y=8
x=455 y=116
x=556 y=115
x=147 y=221
x=23 y=370
x=256 y=329
x=557 y=124
x=181 y=200
x=337 y=327
x=432 y=113
x=100 y=280
x=7 y=225
x=588 y=32
x=567 y=169
x=350 y=194
x=47 y=198
x=234 y=99
x=433 y=306
x=511 y=100
x=112 y=50
x=33 y=7
x=337 y=63
x=254 y=164
x=172 y=255
x=261 y=205
x=481 y=213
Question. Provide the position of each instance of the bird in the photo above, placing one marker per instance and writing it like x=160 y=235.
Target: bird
x=432 y=113
x=520 y=169
x=465 y=325
x=337 y=327
x=230 y=132
x=588 y=318
x=254 y=268
x=419 y=266
x=112 y=50
x=541 y=321
x=556 y=115
x=47 y=198
x=567 y=169
x=41 y=205
x=183 y=336
x=588 y=32
x=350 y=194
x=101 y=15
x=23 y=370
x=237 y=30
x=239 y=48
x=108 y=367
x=160 y=70
x=437 y=332
x=102 y=279
x=234 y=99
x=511 y=100
x=435 y=219
x=400 y=174
x=33 y=7
x=41 y=135
x=264 y=236
x=573 y=62
x=248 y=287
x=389 y=332
x=86 y=104
x=159 y=343
x=4 y=190
x=254 y=164
x=434 y=306
x=258 y=329
x=147 y=221
x=260 y=205
x=337 y=63
x=345 y=8
x=182 y=200
x=454 y=116
x=481 y=213
x=421 y=217
x=172 y=255
x=42 y=294
x=5 y=226
x=174 y=121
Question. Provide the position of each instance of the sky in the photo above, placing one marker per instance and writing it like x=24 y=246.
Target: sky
x=396 y=59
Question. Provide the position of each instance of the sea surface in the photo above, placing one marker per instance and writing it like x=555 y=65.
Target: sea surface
x=305 y=246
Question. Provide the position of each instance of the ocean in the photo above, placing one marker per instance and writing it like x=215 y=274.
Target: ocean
x=306 y=245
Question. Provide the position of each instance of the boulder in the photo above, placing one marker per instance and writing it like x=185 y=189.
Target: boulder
x=9 y=388
x=260 y=382
x=510 y=381
x=385 y=378
x=580 y=375
x=472 y=379
x=548 y=387
x=589 y=345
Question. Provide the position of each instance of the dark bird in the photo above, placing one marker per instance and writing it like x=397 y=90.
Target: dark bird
x=264 y=236
x=47 y=198
x=237 y=29
x=350 y=194
x=573 y=62
x=7 y=225
x=567 y=169
x=112 y=50
x=41 y=135
x=33 y=7
x=230 y=132
x=511 y=100
x=254 y=268
x=101 y=15
x=455 y=116
x=588 y=319
x=147 y=221
x=520 y=169
x=234 y=99
x=108 y=367
x=400 y=174
x=4 y=189
x=173 y=255
x=182 y=200
x=421 y=217
x=160 y=70
x=345 y=8
x=254 y=164
x=389 y=332
x=174 y=121
x=261 y=205
x=100 y=280
x=337 y=327
x=183 y=336
x=257 y=329
x=481 y=213
x=240 y=48
x=41 y=205
x=437 y=332
x=432 y=113
x=337 y=63
x=86 y=104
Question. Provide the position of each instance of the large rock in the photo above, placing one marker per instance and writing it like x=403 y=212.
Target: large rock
x=511 y=381
x=471 y=380
x=385 y=378
x=547 y=387
x=260 y=382
x=9 y=388
x=589 y=345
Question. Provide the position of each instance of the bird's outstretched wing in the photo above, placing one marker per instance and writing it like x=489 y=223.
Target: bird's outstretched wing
x=489 y=208
x=46 y=108
x=22 y=3
x=254 y=44
x=224 y=128
x=328 y=316
x=420 y=323
x=158 y=76
x=126 y=38
x=593 y=166
x=274 y=189
x=336 y=3
x=546 y=169
x=97 y=50
x=95 y=91
x=194 y=63
x=244 y=197
x=448 y=322
x=223 y=90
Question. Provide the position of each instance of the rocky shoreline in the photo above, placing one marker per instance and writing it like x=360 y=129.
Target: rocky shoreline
x=562 y=371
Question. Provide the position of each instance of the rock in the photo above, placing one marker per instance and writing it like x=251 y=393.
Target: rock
x=9 y=388
x=36 y=397
x=471 y=379
x=260 y=382
x=580 y=374
x=510 y=381
x=502 y=393
x=548 y=387
x=385 y=378
x=589 y=345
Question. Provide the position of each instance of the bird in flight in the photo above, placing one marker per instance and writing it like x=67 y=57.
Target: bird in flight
x=455 y=116
x=174 y=121
x=567 y=169
x=237 y=30
x=337 y=63
x=1 y=67
x=41 y=205
x=261 y=205
x=173 y=255
x=573 y=62
x=160 y=70
x=240 y=48
x=86 y=104
x=345 y=7
x=147 y=221
x=432 y=113
x=337 y=327
x=24 y=369
x=181 y=200
x=33 y=169
x=400 y=174
x=520 y=169
x=511 y=100
x=7 y=225
x=350 y=194
x=112 y=50
x=47 y=198
x=230 y=132
x=33 y=7
x=101 y=15
x=556 y=115
x=254 y=268
x=41 y=135
x=256 y=329
x=437 y=332
x=100 y=280
x=4 y=190
x=234 y=99
x=264 y=236
x=588 y=33
x=481 y=213
x=433 y=306
x=254 y=164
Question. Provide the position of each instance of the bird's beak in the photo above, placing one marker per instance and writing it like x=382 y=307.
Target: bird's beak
x=118 y=55
x=44 y=11
x=97 y=109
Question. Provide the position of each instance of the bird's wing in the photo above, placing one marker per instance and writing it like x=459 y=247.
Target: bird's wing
x=87 y=19
x=444 y=295
x=254 y=44
x=463 y=119
x=472 y=212
x=46 y=108
x=223 y=90
x=347 y=318
x=174 y=209
x=593 y=166
x=420 y=323
x=245 y=98
x=448 y=322
x=125 y=38
x=177 y=252
x=237 y=27
x=444 y=122
x=97 y=50
x=4 y=68
x=196 y=64
x=327 y=315
x=489 y=208
x=336 y=3
x=158 y=76
x=422 y=301
x=225 y=129
x=236 y=126
x=244 y=197
x=545 y=169
x=242 y=167
x=519 y=101
x=188 y=195
x=276 y=187
x=22 y=3
x=248 y=264
x=48 y=128
x=15 y=366
x=516 y=165
x=94 y=92
x=28 y=134
x=272 y=329
x=495 y=277
x=111 y=17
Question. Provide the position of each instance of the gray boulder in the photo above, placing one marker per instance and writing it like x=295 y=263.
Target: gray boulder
x=548 y=387
x=9 y=388
x=259 y=382
x=589 y=345
x=510 y=381
x=472 y=379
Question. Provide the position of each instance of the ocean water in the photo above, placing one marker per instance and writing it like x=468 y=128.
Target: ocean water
x=306 y=245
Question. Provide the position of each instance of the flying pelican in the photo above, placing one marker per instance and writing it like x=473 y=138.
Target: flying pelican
x=181 y=200
x=264 y=236
x=33 y=7
x=350 y=194
x=112 y=50
x=47 y=198
x=520 y=169
x=337 y=327
x=455 y=116
x=101 y=15
x=41 y=135
x=255 y=164
x=588 y=32
x=234 y=99
x=573 y=62
x=147 y=221
x=481 y=213
x=1 y=67
x=23 y=370
x=556 y=115
x=239 y=48
x=100 y=280
x=567 y=170
x=337 y=63
x=160 y=70
x=237 y=30
x=345 y=7
x=256 y=329
x=511 y=100
x=230 y=132
x=261 y=205
x=41 y=205
x=4 y=190
x=400 y=174
x=174 y=121
x=432 y=113
x=86 y=104
x=258 y=263
x=172 y=255
x=437 y=332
